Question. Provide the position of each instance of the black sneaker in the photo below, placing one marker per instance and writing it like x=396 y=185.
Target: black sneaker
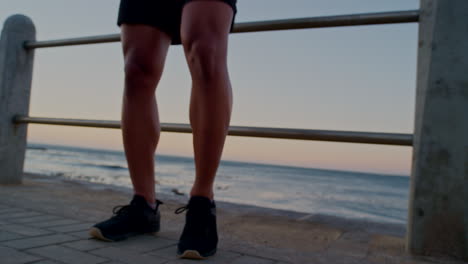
x=129 y=220
x=200 y=237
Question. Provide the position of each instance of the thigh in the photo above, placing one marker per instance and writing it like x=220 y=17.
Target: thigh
x=145 y=46
x=208 y=20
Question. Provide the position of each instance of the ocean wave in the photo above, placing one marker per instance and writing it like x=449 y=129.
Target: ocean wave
x=378 y=197
x=104 y=166
x=36 y=148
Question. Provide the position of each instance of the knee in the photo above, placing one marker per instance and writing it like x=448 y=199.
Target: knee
x=141 y=77
x=206 y=59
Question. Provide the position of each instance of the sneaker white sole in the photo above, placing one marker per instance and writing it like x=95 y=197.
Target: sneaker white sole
x=191 y=254
x=96 y=233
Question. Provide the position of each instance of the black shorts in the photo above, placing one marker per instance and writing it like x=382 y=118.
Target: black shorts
x=165 y=15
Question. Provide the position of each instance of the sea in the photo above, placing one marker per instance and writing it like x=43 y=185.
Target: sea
x=371 y=197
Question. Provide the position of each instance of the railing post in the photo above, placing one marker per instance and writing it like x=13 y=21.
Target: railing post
x=438 y=206
x=16 y=65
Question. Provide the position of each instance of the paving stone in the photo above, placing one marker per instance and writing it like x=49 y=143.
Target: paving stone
x=11 y=211
x=53 y=223
x=67 y=255
x=167 y=253
x=71 y=228
x=5 y=235
x=251 y=260
x=288 y=256
x=349 y=248
x=407 y=259
x=37 y=219
x=24 y=230
x=334 y=258
x=430 y=260
x=170 y=253
x=383 y=260
x=80 y=234
x=87 y=244
x=387 y=244
x=356 y=236
x=243 y=242
x=18 y=215
x=48 y=262
x=11 y=256
x=281 y=254
x=145 y=243
x=127 y=256
x=38 y=241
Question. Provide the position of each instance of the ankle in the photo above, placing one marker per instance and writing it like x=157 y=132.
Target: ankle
x=203 y=193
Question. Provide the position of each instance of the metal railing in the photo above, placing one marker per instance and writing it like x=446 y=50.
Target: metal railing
x=409 y=16
x=283 y=24
x=246 y=131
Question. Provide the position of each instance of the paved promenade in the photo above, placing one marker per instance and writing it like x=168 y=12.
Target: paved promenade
x=45 y=220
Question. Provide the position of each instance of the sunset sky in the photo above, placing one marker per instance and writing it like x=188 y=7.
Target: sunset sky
x=347 y=78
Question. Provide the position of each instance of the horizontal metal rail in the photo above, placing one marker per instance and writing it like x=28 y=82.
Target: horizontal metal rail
x=269 y=25
x=243 y=131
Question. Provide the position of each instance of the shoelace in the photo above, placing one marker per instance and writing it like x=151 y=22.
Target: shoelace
x=120 y=210
x=181 y=209
x=157 y=204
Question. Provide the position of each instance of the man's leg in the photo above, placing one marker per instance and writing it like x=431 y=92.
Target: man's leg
x=145 y=50
x=204 y=32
